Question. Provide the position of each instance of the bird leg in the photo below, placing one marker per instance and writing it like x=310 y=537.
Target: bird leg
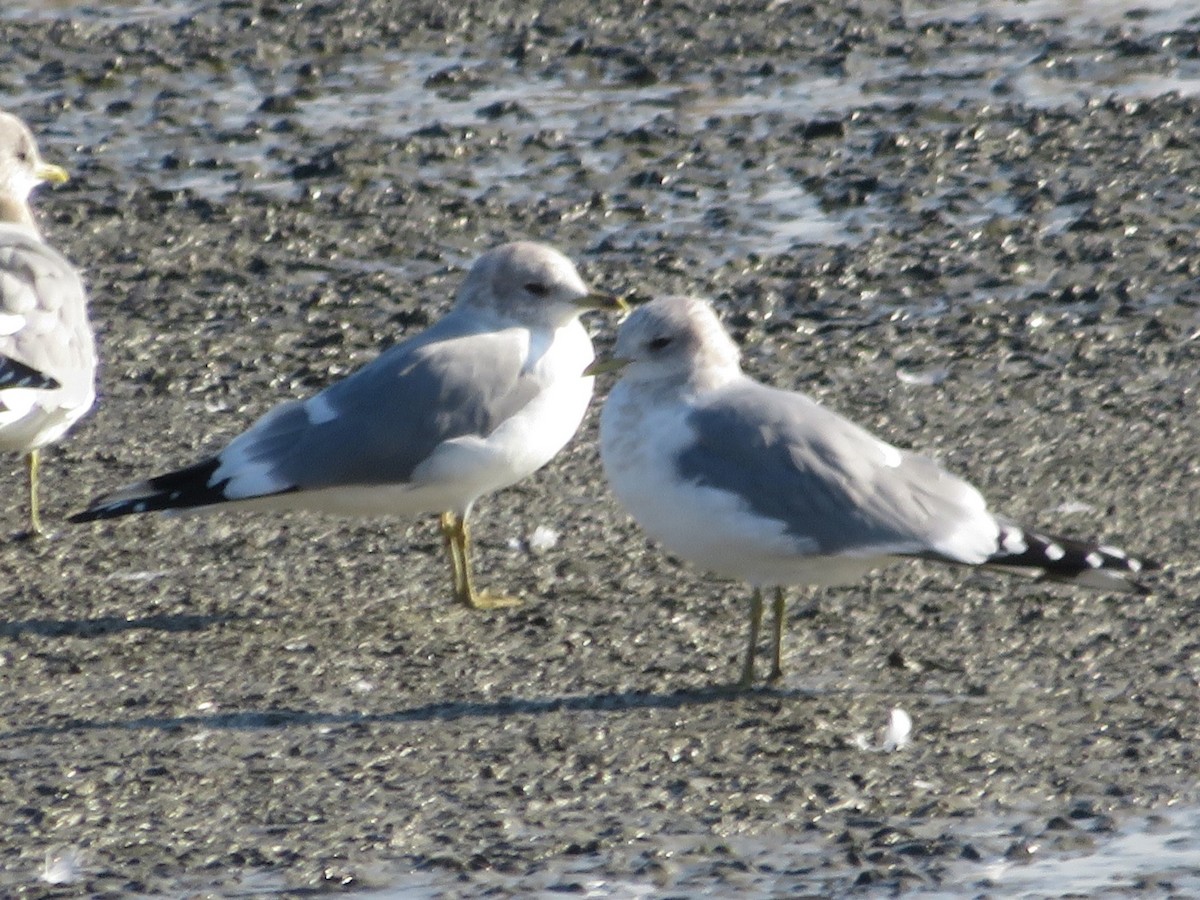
x=756 y=614
x=778 y=610
x=33 y=461
x=449 y=525
x=457 y=535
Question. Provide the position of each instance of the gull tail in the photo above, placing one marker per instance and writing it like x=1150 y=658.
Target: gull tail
x=1069 y=560
x=186 y=488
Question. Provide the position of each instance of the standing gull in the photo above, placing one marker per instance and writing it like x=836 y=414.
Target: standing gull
x=769 y=487
x=482 y=399
x=43 y=314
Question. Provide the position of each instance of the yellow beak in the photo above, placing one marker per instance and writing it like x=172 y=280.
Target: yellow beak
x=599 y=300
x=603 y=366
x=51 y=173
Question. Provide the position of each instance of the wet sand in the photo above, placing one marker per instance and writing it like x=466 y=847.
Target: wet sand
x=973 y=233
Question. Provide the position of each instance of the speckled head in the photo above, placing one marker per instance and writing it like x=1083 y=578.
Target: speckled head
x=675 y=338
x=529 y=283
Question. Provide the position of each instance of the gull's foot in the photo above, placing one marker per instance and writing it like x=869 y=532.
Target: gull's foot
x=29 y=535
x=488 y=600
x=776 y=676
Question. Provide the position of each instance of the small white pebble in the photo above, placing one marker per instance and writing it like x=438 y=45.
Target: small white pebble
x=927 y=378
x=895 y=736
x=148 y=575
x=1071 y=507
x=63 y=866
x=362 y=686
x=898 y=732
x=542 y=539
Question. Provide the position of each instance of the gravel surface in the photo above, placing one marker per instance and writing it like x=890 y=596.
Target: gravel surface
x=971 y=231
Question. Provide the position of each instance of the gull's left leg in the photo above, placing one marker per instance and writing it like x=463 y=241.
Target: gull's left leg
x=465 y=590
x=756 y=614
x=33 y=464
x=449 y=525
x=778 y=610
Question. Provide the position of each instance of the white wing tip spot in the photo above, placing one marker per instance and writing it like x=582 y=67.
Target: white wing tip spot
x=1094 y=559
x=1054 y=552
x=1013 y=541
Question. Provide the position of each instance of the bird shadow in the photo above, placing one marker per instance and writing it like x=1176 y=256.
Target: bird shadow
x=107 y=625
x=284 y=717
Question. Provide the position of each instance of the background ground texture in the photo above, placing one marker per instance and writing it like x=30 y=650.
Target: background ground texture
x=971 y=231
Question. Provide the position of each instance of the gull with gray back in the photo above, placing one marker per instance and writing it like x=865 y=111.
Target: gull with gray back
x=768 y=486
x=43 y=315
x=479 y=401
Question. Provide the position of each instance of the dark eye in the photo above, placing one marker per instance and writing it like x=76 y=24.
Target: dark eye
x=659 y=343
x=537 y=289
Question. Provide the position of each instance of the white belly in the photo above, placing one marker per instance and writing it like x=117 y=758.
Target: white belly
x=712 y=528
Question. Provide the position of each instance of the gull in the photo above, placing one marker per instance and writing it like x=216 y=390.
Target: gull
x=480 y=400
x=767 y=486
x=43 y=314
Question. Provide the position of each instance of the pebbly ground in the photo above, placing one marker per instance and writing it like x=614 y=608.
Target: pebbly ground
x=972 y=231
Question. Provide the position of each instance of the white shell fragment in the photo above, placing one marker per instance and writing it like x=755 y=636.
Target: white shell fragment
x=893 y=737
x=543 y=538
x=64 y=865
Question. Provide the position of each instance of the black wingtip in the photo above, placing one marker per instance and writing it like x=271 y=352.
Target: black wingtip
x=187 y=488
x=1071 y=561
x=15 y=374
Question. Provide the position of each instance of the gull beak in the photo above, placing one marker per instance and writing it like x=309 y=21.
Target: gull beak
x=603 y=366
x=599 y=300
x=51 y=173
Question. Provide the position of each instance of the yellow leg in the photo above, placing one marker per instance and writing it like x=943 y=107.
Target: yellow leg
x=449 y=525
x=756 y=614
x=778 y=608
x=33 y=461
x=458 y=542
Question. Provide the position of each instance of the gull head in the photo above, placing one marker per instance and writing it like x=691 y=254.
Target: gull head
x=676 y=339
x=21 y=169
x=530 y=283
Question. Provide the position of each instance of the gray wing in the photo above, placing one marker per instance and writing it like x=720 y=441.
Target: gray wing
x=379 y=424
x=828 y=480
x=43 y=314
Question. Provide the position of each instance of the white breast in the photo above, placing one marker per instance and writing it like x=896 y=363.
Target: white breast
x=715 y=529
x=463 y=469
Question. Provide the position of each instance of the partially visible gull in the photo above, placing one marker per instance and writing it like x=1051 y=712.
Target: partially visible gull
x=43 y=314
x=768 y=486
x=479 y=401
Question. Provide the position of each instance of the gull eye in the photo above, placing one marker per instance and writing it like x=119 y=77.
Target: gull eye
x=659 y=343
x=537 y=288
